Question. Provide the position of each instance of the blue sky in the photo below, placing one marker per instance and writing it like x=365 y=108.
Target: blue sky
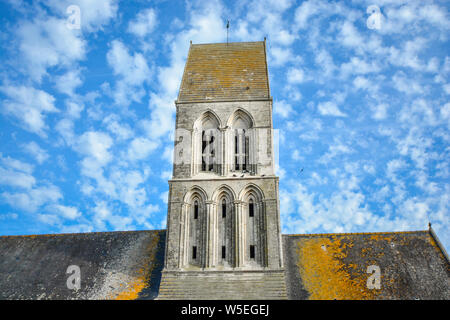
x=361 y=104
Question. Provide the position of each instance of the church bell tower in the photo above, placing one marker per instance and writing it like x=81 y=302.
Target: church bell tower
x=223 y=207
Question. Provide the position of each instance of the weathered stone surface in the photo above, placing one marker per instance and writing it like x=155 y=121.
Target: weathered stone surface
x=223 y=285
x=335 y=266
x=113 y=265
x=223 y=153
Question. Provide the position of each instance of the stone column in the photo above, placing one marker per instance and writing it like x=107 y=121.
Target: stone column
x=241 y=235
x=196 y=151
x=184 y=235
x=211 y=235
x=223 y=160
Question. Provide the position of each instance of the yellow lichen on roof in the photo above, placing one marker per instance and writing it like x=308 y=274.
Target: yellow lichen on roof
x=325 y=276
x=221 y=71
x=141 y=279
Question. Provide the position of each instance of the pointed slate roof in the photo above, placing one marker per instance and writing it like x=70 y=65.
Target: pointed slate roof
x=225 y=72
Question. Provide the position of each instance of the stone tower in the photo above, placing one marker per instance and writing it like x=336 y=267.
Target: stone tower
x=223 y=223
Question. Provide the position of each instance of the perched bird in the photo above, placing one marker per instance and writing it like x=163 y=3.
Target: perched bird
x=242 y=175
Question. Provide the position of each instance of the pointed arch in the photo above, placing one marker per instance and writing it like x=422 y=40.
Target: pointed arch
x=253 y=200
x=223 y=198
x=223 y=190
x=251 y=189
x=207 y=143
x=240 y=114
x=192 y=237
x=193 y=192
x=242 y=141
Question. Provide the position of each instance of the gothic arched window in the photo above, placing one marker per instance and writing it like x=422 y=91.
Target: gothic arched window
x=206 y=144
x=208 y=150
x=224 y=208
x=196 y=209
x=242 y=139
x=241 y=152
x=251 y=209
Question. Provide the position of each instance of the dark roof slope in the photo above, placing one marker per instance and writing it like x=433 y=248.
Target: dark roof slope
x=128 y=265
x=113 y=265
x=221 y=71
x=335 y=266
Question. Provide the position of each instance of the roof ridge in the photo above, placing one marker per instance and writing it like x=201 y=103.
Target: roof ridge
x=225 y=43
x=76 y=233
x=354 y=233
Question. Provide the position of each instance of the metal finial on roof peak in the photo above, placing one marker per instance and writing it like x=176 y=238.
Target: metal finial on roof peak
x=228 y=27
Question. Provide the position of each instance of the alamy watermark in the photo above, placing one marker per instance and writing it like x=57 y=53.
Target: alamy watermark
x=374 y=20
x=374 y=280
x=256 y=146
x=74 y=280
x=74 y=19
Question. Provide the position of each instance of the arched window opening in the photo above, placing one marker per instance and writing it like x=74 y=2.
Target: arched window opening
x=194 y=252
x=241 y=147
x=208 y=150
x=251 y=209
x=224 y=209
x=252 y=252
x=196 y=209
x=242 y=139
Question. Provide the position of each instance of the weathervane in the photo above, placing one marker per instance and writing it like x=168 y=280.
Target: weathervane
x=228 y=27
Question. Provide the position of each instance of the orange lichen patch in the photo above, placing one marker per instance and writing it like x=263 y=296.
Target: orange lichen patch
x=133 y=289
x=325 y=276
x=141 y=280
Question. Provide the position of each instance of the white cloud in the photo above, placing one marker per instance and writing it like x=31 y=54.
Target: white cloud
x=350 y=37
x=144 y=23
x=405 y=84
x=14 y=178
x=359 y=66
x=380 y=111
x=329 y=108
x=95 y=145
x=305 y=11
x=68 y=82
x=66 y=212
x=140 y=148
x=103 y=214
x=29 y=106
x=280 y=56
x=33 y=199
x=295 y=75
x=47 y=42
x=94 y=14
x=15 y=164
x=407 y=56
x=282 y=108
x=132 y=70
x=121 y=130
x=37 y=152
